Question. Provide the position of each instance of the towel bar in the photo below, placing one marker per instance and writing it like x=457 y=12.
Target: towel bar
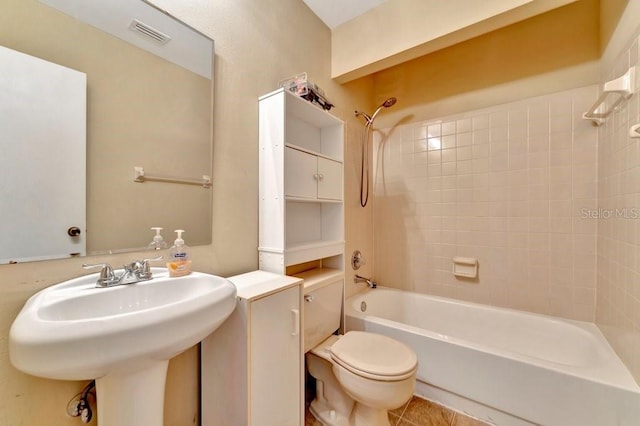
x=623 y=86
x=140 y=176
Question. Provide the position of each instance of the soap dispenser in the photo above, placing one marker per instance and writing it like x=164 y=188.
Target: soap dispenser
x=158 y=242
x=179 y=263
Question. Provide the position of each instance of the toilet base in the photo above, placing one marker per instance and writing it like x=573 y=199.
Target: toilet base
x=362 y=415
x=326 y=414
x=369 y=416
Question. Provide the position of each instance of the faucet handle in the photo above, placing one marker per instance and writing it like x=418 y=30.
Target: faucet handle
x=132 y=266
x=106 y=274
x=146 y=267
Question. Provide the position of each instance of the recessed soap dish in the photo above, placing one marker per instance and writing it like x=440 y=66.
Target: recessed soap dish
x=465 y=267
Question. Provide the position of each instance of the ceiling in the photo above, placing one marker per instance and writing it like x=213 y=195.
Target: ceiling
x=336 y=12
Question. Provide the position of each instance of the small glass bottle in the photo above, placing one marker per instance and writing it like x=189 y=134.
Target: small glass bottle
x=158 y=242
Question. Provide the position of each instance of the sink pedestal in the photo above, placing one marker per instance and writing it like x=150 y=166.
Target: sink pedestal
x=132 y=398
x=121 y=336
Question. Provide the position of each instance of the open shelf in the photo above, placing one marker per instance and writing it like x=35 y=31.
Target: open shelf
x=293 y=199
x=312 y=152
x=305 y=252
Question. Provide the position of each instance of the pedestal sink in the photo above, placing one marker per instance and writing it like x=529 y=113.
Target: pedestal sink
x=123 y=336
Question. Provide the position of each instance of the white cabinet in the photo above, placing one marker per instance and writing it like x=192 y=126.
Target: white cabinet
x=252 y=365
x=311 y=177
x=329 y=179
x=275 y=359
x=301 y=174
x=301 y=216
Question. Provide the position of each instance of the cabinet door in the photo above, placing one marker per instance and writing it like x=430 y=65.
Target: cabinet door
x=300 y=174
x=276 y=354
x=330 y=179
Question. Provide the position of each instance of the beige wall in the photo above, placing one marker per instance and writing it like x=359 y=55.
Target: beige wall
x=257 y=44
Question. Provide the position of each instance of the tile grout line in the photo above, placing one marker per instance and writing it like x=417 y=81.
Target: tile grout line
x=453 y=418
x=403 y=411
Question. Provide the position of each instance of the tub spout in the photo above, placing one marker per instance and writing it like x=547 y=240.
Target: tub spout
x=370 y=283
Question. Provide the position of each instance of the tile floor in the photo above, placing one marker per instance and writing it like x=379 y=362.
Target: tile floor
x=418 y=412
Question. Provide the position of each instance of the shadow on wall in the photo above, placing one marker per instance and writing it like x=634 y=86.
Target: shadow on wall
x=394 y=215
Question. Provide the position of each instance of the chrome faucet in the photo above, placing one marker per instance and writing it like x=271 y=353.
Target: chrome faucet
x=134 y=272
x=370 y=283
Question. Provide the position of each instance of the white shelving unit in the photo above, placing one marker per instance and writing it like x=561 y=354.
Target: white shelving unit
x=301 y=184
x=301 y=218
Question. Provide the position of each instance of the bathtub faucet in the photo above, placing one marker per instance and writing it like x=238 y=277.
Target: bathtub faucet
x=370 y=283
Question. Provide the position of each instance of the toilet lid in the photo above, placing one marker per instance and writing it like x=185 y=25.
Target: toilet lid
x=374 y=356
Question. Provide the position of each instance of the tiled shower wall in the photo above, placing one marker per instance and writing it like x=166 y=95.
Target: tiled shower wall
x=618 y=281
x=513 y=185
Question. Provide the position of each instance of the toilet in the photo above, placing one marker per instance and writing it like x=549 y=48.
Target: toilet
x=360 y=375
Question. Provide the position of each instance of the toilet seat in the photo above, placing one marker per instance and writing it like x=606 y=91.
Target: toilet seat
x=374 y=356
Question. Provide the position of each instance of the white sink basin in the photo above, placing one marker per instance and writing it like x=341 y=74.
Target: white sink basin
x=75 y=331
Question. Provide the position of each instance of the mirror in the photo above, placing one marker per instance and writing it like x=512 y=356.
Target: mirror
x=142 y=110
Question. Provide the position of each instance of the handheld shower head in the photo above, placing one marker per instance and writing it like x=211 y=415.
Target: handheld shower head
x=389 y=102
x=386 y=104
x=364 y=170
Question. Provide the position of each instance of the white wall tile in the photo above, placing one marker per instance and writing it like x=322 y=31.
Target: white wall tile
x=617 y=193
x=463 y=125
x=448 y=128
x=503 y=184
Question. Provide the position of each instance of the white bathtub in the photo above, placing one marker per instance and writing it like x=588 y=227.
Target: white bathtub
x=504 y=366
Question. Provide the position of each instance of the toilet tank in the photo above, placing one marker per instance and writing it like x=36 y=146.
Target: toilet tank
x=322 y=306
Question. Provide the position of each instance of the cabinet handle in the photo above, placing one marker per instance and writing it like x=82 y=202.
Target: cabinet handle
x=316 y=176
x=296 y=322
x=320 y=176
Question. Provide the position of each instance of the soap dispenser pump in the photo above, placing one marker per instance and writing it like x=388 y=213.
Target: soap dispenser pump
x=179 y=263
x=158 y=242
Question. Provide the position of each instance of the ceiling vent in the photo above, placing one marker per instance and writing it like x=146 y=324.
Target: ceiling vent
x=148 y=32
